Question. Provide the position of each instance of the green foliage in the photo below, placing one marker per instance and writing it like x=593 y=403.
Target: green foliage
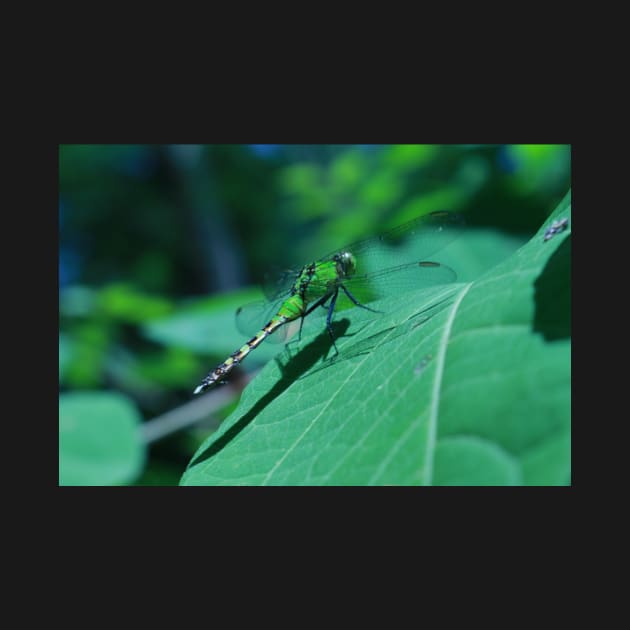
x=203 y=325
x=99 y=440
x=122 y=302
x=157 y=241
x=467 y=384
x=541 y=165
x=94 y=347
x=357 y=194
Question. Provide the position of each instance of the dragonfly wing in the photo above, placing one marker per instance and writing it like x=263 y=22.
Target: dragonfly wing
x=396 y=280
x=250 y=319
x=386 y=264
x=277 y=282
x=415 y=240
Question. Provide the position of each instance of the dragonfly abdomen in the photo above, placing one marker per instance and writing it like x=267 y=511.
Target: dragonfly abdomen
x=236 y=357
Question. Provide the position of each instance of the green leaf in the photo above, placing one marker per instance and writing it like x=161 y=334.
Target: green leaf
x=65 y=355
x=462 y=384
x=409 y=156
x=99 y=440
x=124 y=302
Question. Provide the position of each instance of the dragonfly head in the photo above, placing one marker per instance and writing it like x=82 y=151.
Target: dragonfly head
x=346 y=264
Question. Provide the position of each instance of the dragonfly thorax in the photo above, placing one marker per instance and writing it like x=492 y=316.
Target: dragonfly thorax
x=346 y=264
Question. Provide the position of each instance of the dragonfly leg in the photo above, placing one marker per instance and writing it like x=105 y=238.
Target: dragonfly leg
x=356 y=302
x=331 y=308
x=320 y=302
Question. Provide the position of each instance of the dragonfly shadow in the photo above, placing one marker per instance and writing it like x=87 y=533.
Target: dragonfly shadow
x=294 y=367
x=305 y=358
x=389 y=334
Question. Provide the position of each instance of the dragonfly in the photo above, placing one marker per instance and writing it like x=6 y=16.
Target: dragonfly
x=352 y=276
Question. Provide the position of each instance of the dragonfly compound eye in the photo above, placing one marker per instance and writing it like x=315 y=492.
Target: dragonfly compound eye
x=347 y=263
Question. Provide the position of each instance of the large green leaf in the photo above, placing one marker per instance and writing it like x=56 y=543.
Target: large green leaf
x=99 y=439
x=464 y=384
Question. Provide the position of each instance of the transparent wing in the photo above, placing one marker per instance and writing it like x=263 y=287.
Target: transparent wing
x=393 y=262
x=278 y=282
x=250 y=318
x=367 y=288
x=410 y=242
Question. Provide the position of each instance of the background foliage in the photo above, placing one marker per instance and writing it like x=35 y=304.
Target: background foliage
x=160 y=244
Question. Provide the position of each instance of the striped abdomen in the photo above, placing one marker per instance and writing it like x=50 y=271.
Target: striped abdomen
x=236 y=357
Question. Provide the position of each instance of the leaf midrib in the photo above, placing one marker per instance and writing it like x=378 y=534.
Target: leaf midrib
x=437 y=384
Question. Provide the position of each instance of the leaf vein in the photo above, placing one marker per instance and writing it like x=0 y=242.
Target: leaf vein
x=437 y=383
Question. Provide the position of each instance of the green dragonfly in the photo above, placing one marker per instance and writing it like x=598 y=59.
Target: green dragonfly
x=360 y=273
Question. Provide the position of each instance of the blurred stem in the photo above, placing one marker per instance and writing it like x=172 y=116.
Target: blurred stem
x=192 y=412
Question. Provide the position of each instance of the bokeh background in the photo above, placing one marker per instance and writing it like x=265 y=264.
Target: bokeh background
x=158 y=244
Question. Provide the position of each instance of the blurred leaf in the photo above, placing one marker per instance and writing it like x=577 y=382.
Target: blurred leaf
x=452 y=385
x=541 y=167
x=122 y=301
x=207 y=325
x=77 y=301
x=442 y=199
x=409 y=156
x=300 y=178
x=473 y=173
x=65 y=354
x=352 y=226
x=384 y=188
x=99 y=440
x=153 y=270
x=173 y=367
x=90 y=342
x=347 y=171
